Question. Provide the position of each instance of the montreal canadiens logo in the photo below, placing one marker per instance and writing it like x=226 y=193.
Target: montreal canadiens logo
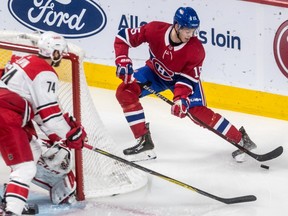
x=281 y=48
x=162 y=71
x=72 y=19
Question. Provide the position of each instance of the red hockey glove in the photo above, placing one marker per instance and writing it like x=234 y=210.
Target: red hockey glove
x=180 y=107
x=124 y=69
x=75 y=138
x=72 y=122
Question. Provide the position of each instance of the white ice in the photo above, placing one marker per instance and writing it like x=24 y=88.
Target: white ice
x=192 y=155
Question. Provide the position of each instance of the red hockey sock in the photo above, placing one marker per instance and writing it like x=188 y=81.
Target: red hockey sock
x=217 y=122
x=136 y=119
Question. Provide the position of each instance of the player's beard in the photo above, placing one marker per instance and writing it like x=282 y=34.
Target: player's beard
x=55 y=64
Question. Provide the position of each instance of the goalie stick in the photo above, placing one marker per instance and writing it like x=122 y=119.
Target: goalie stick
x=233 y=200
x=259 y=157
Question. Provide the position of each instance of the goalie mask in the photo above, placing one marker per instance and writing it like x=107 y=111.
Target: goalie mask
x=52 y=45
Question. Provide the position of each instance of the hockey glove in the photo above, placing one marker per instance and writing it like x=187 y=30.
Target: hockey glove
x=71 y=121
x=180 y=107
x=124 y=69
x=75 y=138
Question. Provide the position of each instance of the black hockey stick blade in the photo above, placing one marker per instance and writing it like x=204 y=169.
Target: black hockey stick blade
x=248 y=198
x=259 y=157
x=269 y=155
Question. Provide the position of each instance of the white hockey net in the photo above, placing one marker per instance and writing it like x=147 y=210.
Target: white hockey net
x=96 y=175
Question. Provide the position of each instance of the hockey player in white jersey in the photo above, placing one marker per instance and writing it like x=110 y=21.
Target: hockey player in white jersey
x=28 y=92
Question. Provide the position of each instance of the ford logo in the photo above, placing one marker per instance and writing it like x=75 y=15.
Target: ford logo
x=71 y=18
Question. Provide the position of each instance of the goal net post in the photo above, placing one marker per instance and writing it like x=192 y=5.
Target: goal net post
x=96 y=175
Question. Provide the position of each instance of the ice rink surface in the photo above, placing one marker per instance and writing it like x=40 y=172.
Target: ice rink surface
x=190 y=154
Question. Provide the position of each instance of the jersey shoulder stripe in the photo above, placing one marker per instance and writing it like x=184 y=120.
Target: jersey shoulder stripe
x=34 y=65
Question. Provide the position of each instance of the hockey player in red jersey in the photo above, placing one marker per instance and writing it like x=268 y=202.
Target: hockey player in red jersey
x=28 y=91
x=175 y=63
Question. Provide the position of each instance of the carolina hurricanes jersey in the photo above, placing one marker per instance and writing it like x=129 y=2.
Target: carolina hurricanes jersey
x=36 y=81
x=176 y=65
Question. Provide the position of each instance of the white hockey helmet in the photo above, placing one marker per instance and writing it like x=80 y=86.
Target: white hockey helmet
x=50 y=42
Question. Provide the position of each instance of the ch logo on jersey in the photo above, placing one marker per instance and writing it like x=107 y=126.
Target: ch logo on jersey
x=72 y=19
x=162 y=71
x=281 y=48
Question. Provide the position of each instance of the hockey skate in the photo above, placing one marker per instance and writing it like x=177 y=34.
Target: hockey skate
x=4 y=213
x=245 y=142
x=2 y=210
x=29 y=208
x=143 y=150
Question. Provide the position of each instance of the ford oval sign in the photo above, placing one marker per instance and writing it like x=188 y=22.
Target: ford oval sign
x=72 y=19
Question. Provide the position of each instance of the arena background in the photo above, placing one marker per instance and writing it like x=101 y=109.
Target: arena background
x=246 y=68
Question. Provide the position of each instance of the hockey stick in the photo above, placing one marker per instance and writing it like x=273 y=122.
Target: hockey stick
x=259 y=157
x=248 y=198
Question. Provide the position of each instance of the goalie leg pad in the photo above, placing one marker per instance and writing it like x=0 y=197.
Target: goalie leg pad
x=61 y=188
x=54 y=173
x=63 y=191
x=35 y=145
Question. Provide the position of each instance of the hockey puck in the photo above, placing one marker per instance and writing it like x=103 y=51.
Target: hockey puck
x=264 y=166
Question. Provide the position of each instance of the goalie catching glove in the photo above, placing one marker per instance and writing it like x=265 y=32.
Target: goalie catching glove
x=124 y=69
